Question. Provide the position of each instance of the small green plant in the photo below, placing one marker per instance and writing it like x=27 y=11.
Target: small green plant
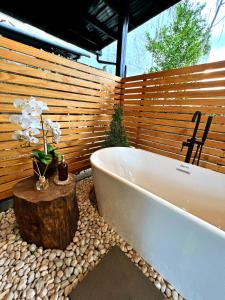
x=116 y=136
x=46 y=158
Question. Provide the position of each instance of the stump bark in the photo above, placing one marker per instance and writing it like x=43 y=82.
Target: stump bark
x=46 y=218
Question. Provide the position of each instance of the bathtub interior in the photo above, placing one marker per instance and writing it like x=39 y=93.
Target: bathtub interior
x=201 y=192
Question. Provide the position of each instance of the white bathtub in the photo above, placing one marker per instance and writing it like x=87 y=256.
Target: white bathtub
x=171 y=217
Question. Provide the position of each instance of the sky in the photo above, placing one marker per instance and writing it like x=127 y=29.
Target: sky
x=218 y=32
x=138 y=59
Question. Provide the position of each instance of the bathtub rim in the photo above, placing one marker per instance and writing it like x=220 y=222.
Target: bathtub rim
x=157 y=198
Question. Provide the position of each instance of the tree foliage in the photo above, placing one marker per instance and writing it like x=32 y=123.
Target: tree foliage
x=116 y=137
x=182 y=42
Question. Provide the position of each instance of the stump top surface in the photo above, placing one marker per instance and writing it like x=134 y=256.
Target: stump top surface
x=26 y=189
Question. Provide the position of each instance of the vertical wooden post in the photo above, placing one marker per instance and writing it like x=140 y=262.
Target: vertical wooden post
x=122 y=39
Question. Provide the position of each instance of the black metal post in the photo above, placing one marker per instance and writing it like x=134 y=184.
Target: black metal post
x=122 y=38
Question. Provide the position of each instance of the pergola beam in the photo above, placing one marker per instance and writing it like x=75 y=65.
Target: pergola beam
x=100 y=26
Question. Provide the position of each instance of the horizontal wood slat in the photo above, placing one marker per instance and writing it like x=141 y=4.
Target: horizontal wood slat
x=158 y=110
x=79 y=97
x=203 y=69
x=18 y=47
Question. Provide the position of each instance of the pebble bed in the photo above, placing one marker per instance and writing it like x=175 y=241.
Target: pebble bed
x=29 y=272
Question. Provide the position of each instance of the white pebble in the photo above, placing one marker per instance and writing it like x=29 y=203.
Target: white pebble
x=19 y=265
x=52 y=256
x=163 y=287
x=168 y=292
x=158 y=285
x=31 y=272
x=175 y=295
x=22 y=284
x=2 y=261
x=30 y=294
x=43 y=293
x=33 y=247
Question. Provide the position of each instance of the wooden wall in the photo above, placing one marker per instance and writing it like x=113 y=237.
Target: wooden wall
x=159 y=107
x=79 y=97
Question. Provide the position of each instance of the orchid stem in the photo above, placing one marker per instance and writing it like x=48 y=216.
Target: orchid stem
x=44 y=137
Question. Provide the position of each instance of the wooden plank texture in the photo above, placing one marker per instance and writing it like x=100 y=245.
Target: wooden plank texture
x=79 y=97
x=158 y=109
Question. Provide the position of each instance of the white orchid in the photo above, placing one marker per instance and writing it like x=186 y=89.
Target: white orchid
x=55 y=128
x=24 y=135
x=34 y=140
x=31 y=122
x=56 y=138
x=18 y=135
x=15 y=119
x=18 y=103
x=31 y=106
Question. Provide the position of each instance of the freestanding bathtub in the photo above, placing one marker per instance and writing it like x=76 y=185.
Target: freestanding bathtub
x=171 y=212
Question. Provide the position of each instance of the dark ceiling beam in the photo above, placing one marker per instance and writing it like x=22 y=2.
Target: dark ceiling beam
x=100 y=26
x=85 y=40
x=112 y=4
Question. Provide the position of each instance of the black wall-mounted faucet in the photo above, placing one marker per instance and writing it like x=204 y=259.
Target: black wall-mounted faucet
x=204 y=137
x=190 y=143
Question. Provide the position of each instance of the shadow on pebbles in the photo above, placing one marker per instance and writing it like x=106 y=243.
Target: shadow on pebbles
x=29 y=272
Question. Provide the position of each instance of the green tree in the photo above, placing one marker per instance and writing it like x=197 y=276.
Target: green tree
x=183 y=41
x=116 y=137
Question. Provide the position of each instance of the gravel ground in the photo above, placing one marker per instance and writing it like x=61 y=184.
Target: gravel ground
x=29 y=272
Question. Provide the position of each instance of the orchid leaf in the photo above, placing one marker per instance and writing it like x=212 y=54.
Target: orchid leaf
x=37 y=153
x=46 y=159
x=50 y=148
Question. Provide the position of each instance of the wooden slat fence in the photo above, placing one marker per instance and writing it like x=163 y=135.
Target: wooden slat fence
x=158 y=110
x=79 y=97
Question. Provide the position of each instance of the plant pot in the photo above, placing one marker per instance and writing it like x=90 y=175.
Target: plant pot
x=51 y=169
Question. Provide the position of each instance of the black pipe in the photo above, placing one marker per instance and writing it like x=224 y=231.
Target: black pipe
x=205 y=135
x=207 y=127
x=190 y=146
x=104 y=61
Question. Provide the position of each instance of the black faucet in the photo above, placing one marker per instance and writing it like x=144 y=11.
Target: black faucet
x=190 y=143
x=204 y=137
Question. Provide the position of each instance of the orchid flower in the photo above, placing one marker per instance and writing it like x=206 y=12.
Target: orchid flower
x=55 y=128
x=24 y=135
x=31 y=122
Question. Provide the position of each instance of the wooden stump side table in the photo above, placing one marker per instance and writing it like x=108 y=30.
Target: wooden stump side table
x=46 y=218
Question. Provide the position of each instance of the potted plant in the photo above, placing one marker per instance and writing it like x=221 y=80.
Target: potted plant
x=47 y=162
x=116 y=136
x=33 y=126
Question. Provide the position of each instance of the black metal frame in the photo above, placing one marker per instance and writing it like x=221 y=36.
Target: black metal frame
x=93 y=25
x=122 y=39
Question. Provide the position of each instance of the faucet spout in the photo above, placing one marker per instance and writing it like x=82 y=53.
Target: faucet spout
x=197 y=115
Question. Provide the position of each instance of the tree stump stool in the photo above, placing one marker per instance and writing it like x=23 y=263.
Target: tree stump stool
x=46 y=218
